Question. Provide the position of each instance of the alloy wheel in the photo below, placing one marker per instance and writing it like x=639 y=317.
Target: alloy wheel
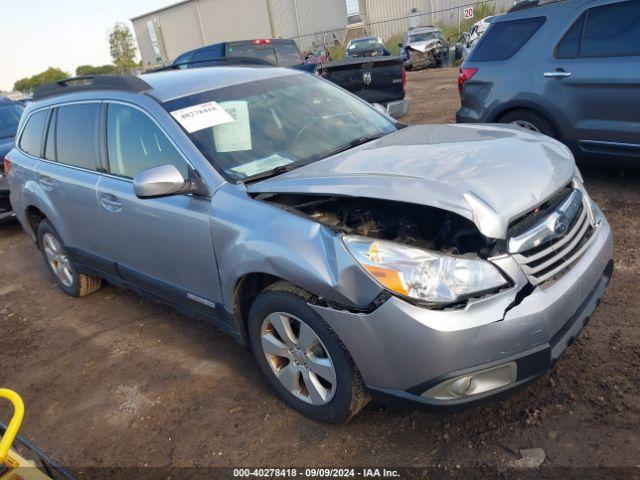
x=58 y=260
x=525 y=124
x=298 y=358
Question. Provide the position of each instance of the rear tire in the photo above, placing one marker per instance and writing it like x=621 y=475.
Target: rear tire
x=333 y=393
x=530 y=120
x=61 y=266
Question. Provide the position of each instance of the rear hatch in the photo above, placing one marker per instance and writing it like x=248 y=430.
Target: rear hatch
x=376 y=80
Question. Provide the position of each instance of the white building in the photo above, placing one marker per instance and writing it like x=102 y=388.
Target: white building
x=165 y=33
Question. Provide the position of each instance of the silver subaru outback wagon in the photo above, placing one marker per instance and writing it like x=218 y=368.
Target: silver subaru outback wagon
x=436 y=265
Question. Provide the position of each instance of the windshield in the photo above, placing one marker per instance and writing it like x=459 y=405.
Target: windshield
x=286 y=122
x=365 y=45
x=9 y=119
x=425 y=37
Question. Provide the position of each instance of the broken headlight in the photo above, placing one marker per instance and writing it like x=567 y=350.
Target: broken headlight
x=424 y=275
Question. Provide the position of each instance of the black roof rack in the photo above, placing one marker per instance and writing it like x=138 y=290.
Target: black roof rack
x=218 y=62
x=127 y=83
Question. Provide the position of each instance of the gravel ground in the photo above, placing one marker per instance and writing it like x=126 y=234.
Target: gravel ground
x=112 y=381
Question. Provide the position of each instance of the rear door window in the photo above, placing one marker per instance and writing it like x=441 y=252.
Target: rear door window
x=503 y=39
x=33 y=134
x=77 y=135
x=136 y=143
x=612 y=30
x=570 y=44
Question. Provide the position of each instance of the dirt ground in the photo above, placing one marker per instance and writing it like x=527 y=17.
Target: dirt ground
x=112 y=381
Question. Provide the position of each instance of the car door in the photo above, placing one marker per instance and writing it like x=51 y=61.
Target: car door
x=592 y=77
x=67 y=174
x=161 y=244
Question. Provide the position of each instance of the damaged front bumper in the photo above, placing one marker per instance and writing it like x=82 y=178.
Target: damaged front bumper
x=411 y=354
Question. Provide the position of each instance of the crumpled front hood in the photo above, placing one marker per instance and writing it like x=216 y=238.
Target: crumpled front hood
x=424 y=46
x=487 y=173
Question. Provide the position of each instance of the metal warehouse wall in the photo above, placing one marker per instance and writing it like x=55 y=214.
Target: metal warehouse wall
x=318 y=16
x=179 y=31
x=226 y=20
x=435 y=12
x=194 y=23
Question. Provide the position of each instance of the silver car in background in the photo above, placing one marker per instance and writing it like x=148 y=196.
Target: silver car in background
x=358 y=257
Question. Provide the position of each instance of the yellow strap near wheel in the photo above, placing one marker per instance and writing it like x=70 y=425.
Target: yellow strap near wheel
x=12 y=429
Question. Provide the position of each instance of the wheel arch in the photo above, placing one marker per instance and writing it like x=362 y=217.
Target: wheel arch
x=34 y=216
x=245 y=291
x=526 y=104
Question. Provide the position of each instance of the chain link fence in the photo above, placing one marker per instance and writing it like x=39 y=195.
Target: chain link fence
x=385 y=20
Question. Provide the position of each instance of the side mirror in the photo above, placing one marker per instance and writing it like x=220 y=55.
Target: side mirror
x=160 y=181
x=400 y=45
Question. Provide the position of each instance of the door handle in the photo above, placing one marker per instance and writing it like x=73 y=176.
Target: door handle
x=111 y=203
x=557 y=74
x=46 y=183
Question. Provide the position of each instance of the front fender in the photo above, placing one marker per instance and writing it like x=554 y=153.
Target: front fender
x=252 y=236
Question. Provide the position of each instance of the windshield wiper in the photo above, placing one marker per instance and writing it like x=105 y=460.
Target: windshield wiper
x=292 y=166
x=270 y=173
x=352 y=144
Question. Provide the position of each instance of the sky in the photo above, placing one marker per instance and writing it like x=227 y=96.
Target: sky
x=37 y=34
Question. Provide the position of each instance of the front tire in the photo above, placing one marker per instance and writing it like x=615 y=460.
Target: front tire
x=302 y=358
x=60 y=265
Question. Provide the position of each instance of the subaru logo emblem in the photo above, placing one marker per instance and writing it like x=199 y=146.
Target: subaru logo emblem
x=562 y=224
x=366 y=78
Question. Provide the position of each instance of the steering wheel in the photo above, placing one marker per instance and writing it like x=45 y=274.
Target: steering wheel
x=311 y=121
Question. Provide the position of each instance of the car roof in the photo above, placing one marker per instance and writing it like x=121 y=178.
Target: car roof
x=423 y=30
x=7 y=101
x=161 y=86
x=171 y=84
x=272 y=41
x=526 y=4
x=362 y=39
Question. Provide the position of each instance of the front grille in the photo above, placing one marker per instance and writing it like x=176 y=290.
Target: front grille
x=552 y=256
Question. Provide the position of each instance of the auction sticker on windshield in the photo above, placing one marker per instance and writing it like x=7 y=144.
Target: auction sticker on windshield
x=236 y=136
x=201 y=116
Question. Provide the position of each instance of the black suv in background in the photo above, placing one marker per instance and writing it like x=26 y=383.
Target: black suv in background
x=276 y=51
x=10 y=113
x=567 y=68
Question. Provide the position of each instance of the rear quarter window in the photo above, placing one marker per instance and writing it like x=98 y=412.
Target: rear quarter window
x=33 y=134
x=503 y=39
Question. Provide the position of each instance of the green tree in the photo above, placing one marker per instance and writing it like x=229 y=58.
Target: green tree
x=122 y=48
x=83 y=70
x=51 y=74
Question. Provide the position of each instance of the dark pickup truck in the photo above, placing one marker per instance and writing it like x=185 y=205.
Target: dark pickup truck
x=378 y=80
